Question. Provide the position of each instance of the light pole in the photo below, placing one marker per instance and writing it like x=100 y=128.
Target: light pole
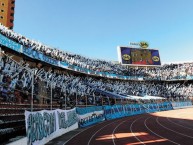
x=32 y=90
x=76 y=100
x=51 y=97
x=65 y=100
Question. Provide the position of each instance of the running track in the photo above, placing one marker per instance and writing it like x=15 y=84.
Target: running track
x=165 y=128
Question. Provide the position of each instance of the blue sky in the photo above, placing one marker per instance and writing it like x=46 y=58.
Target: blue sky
x=95 y=28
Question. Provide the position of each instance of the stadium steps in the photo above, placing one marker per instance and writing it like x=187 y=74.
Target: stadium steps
x=12 y=120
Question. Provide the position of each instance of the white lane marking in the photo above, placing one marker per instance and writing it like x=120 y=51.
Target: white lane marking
x=81 y=132
x=172 y=130
x=179 y=124
x=74 y=136
x=133 y=132
x=97 y=132
x=113 y=136
x=100 y=130
x=145 y=123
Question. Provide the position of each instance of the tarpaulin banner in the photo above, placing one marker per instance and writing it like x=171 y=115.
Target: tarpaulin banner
x=118 y=111
x=113 y=112
x=43 y=126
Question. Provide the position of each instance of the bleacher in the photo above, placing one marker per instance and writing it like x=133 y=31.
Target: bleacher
x=12 y=120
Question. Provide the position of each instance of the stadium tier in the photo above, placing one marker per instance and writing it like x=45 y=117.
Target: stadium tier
x=31 y=72
x=53 y=56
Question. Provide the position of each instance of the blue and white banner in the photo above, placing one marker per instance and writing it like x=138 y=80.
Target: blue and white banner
x=90 y=115
x=189 y=77
x=134 y=109
x=40 y=56
x=43 y=126
x=147 y=108
x=9 y=43
x=113 y=112
x=63 y=64
x=184 y=104
x=118 y=111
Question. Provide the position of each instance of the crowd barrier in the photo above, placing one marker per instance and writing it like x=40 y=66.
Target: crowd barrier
x=40 y=56
x=43 y=126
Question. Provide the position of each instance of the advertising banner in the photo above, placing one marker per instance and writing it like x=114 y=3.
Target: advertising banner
x=113 y=112
x=118 y=111
x=63 y=64
x=181 y=104
x=43 y=126
x=90 y=115
x=134 y=109
x=9 y=43
x=40 y=56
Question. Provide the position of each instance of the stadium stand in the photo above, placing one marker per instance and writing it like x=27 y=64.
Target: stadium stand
x=166 y=72
x=70 y=88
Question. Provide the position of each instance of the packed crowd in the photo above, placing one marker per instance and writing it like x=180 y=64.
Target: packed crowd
x=166 y=72
x=16 y=82
x=180 y=71
x=97 y=65
x=143 y=88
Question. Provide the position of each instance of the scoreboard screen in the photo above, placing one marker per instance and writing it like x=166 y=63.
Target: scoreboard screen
x=138 y=56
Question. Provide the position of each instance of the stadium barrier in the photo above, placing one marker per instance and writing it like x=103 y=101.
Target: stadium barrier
x=118 y=111
x=113 y=112
x=43 y=126
x=178 y=105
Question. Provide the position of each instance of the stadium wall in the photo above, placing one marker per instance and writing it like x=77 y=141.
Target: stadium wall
x=84 y=117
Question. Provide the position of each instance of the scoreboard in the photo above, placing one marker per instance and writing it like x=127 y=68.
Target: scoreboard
x=138 y=56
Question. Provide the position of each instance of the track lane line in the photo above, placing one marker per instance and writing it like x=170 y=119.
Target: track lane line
x=172 y=129
x=104 y=127
x=133 y=132
x=179 y=124
x=98 y=131
x=87 y=128
x=145 y=123
x=113 y=136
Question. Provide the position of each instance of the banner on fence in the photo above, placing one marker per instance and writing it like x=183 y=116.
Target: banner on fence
x=118 y=111
x=115 y=111
x=181 y=104
x=43 y=126
x=90 y=115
